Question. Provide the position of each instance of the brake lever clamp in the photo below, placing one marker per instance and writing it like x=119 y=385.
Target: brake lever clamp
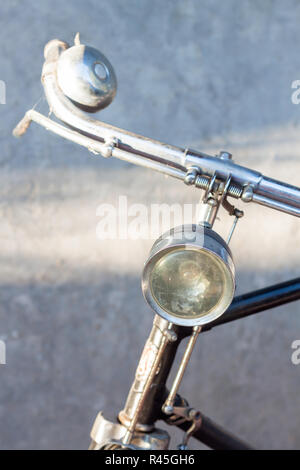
x=181 y=414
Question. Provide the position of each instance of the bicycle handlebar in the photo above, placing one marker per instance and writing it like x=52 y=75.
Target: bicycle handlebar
x=191 y=166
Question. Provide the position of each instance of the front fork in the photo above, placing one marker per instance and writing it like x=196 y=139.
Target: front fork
x=136 y=426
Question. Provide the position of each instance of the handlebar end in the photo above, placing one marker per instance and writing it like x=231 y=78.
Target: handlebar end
x=22 y=126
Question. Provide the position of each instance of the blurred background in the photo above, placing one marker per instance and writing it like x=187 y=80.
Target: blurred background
x=203 y=74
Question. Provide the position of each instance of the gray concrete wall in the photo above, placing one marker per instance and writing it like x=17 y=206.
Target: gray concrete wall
x=204 y=74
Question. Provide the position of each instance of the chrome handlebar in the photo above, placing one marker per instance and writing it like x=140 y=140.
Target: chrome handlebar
x=191 y=166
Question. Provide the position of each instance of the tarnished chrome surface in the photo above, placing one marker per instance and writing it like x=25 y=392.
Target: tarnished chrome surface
x=207 y=213
x=147 y=152
x=103 y=431
x=148 y=366
x=278 y=205
x=87 y=77
x=92 y=145
x=190 y=237
x=183 y=364
x=105 y=434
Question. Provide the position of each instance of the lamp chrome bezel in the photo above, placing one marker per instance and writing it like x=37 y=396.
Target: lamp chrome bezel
x=198 y=238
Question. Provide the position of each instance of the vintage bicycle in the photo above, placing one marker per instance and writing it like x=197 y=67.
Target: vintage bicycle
x=189 y=277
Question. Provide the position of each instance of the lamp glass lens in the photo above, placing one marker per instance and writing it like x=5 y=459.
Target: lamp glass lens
x=188 y=283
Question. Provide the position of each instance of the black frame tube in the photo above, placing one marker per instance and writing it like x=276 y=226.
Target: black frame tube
x=258 y=301
x=214 y=436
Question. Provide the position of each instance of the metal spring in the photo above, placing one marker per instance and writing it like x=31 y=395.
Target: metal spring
x=202 y=182
x=234 y=190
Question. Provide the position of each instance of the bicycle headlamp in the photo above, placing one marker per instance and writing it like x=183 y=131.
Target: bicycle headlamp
x=188 y=278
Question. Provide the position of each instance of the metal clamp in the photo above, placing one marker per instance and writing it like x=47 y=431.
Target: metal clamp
x=184 y=413
x=213 y=183
x=109 y=146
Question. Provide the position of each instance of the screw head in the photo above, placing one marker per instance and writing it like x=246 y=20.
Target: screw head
x=225 y=155
x=168 y=409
